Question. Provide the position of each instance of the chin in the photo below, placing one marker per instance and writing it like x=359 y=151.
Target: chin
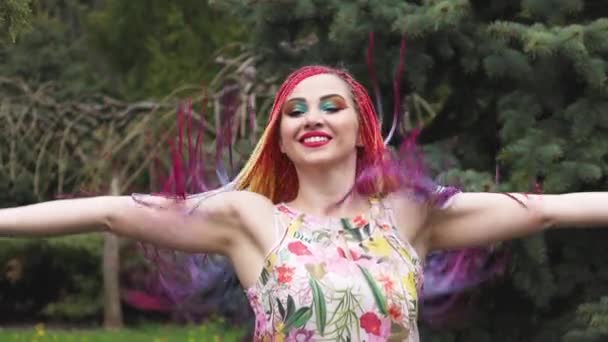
x=322 y=160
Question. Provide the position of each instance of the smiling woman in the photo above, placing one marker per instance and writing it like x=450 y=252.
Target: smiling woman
x=319 y=134
x=326 y=228
x=298 y=107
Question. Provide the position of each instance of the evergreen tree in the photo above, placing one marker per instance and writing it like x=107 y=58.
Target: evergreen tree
x=521 y=84
x=155 y=46
x=14 y=18
x=55 y=50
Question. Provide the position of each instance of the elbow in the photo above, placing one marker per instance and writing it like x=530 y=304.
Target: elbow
x=110 y=218
x=108 y=222
x=546 y=222
x=544 y=218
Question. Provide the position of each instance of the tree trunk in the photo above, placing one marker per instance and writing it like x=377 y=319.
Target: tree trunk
x=112 y=318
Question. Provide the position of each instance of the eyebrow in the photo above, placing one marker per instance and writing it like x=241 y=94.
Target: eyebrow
x=322 y=98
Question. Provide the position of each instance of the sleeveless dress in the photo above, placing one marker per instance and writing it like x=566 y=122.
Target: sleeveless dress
x=331 y=279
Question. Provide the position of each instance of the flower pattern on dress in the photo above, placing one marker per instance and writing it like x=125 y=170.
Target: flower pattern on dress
x=301 y=335
x=284 y=274
x=338 y=279
x=298 y=248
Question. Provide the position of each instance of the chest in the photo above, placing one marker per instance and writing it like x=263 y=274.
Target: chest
x=349 y=277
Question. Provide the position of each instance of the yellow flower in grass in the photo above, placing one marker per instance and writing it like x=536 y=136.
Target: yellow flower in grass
x=39 y=328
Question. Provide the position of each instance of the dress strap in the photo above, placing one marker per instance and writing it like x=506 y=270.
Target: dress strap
x=279 y=224
x=381 y=209
x=284 y=218
x=387 y=216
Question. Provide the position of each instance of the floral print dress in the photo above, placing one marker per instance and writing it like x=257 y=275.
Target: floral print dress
x=331 y=279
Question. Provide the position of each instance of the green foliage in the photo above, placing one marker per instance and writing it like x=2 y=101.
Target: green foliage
x=55 y=279
x=14 y=18
x=170 y=43
x=595 y=315
x=54 y=52
x=531 y=272
x=209 y=332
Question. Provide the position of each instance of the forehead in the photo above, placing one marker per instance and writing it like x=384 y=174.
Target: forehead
x=317 y=86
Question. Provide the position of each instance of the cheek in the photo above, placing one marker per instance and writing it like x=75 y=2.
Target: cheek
x=286 y=133
x=352 y=125
x=281 y=139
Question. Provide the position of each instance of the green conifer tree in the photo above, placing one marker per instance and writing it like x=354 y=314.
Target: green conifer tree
x=155 y=46
x=14 y=18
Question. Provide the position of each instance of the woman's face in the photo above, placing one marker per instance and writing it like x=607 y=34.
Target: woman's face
x=319 y=123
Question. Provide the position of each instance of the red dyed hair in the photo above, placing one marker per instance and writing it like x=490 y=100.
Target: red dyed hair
x=271 y=173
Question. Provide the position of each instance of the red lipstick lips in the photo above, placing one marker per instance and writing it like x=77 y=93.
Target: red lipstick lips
x=315 y=139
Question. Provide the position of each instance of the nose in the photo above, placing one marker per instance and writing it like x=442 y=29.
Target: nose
x=313 y=119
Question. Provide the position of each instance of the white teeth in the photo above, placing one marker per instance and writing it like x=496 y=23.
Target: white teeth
x=315 y=139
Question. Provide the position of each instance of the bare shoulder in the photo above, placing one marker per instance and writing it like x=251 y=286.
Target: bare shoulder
x=252 y=206
x=241 y=215
x=247 y=200
x=238 y=205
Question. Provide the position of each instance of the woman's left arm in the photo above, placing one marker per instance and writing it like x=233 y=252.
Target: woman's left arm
x=475 y=219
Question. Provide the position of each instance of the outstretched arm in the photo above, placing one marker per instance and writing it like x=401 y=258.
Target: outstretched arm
x=474 y=219
x=191 y=225
x=57 y=217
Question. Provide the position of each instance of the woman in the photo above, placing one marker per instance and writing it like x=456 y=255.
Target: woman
x=325 y=235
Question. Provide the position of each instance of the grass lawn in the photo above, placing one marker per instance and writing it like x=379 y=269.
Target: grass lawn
x=151 y=333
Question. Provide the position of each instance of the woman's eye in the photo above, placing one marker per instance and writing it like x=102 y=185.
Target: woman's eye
x=333 y=104
x=294 y=113
x=330 y=108
x=295 y=109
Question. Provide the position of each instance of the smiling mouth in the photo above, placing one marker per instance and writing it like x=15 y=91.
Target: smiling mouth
x=315 y=141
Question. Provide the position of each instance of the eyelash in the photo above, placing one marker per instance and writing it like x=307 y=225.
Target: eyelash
x=298 y=110
x=295 y=113
x=329 y=108
x=333 y=109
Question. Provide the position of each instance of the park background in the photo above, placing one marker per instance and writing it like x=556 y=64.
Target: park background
x=509 y=95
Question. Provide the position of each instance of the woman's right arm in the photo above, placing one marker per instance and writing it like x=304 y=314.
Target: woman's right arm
x=195 y=224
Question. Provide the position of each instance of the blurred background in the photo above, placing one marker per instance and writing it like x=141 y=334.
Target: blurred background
x=509 y=96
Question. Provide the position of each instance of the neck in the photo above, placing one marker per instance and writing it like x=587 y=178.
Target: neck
x=323 y=191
